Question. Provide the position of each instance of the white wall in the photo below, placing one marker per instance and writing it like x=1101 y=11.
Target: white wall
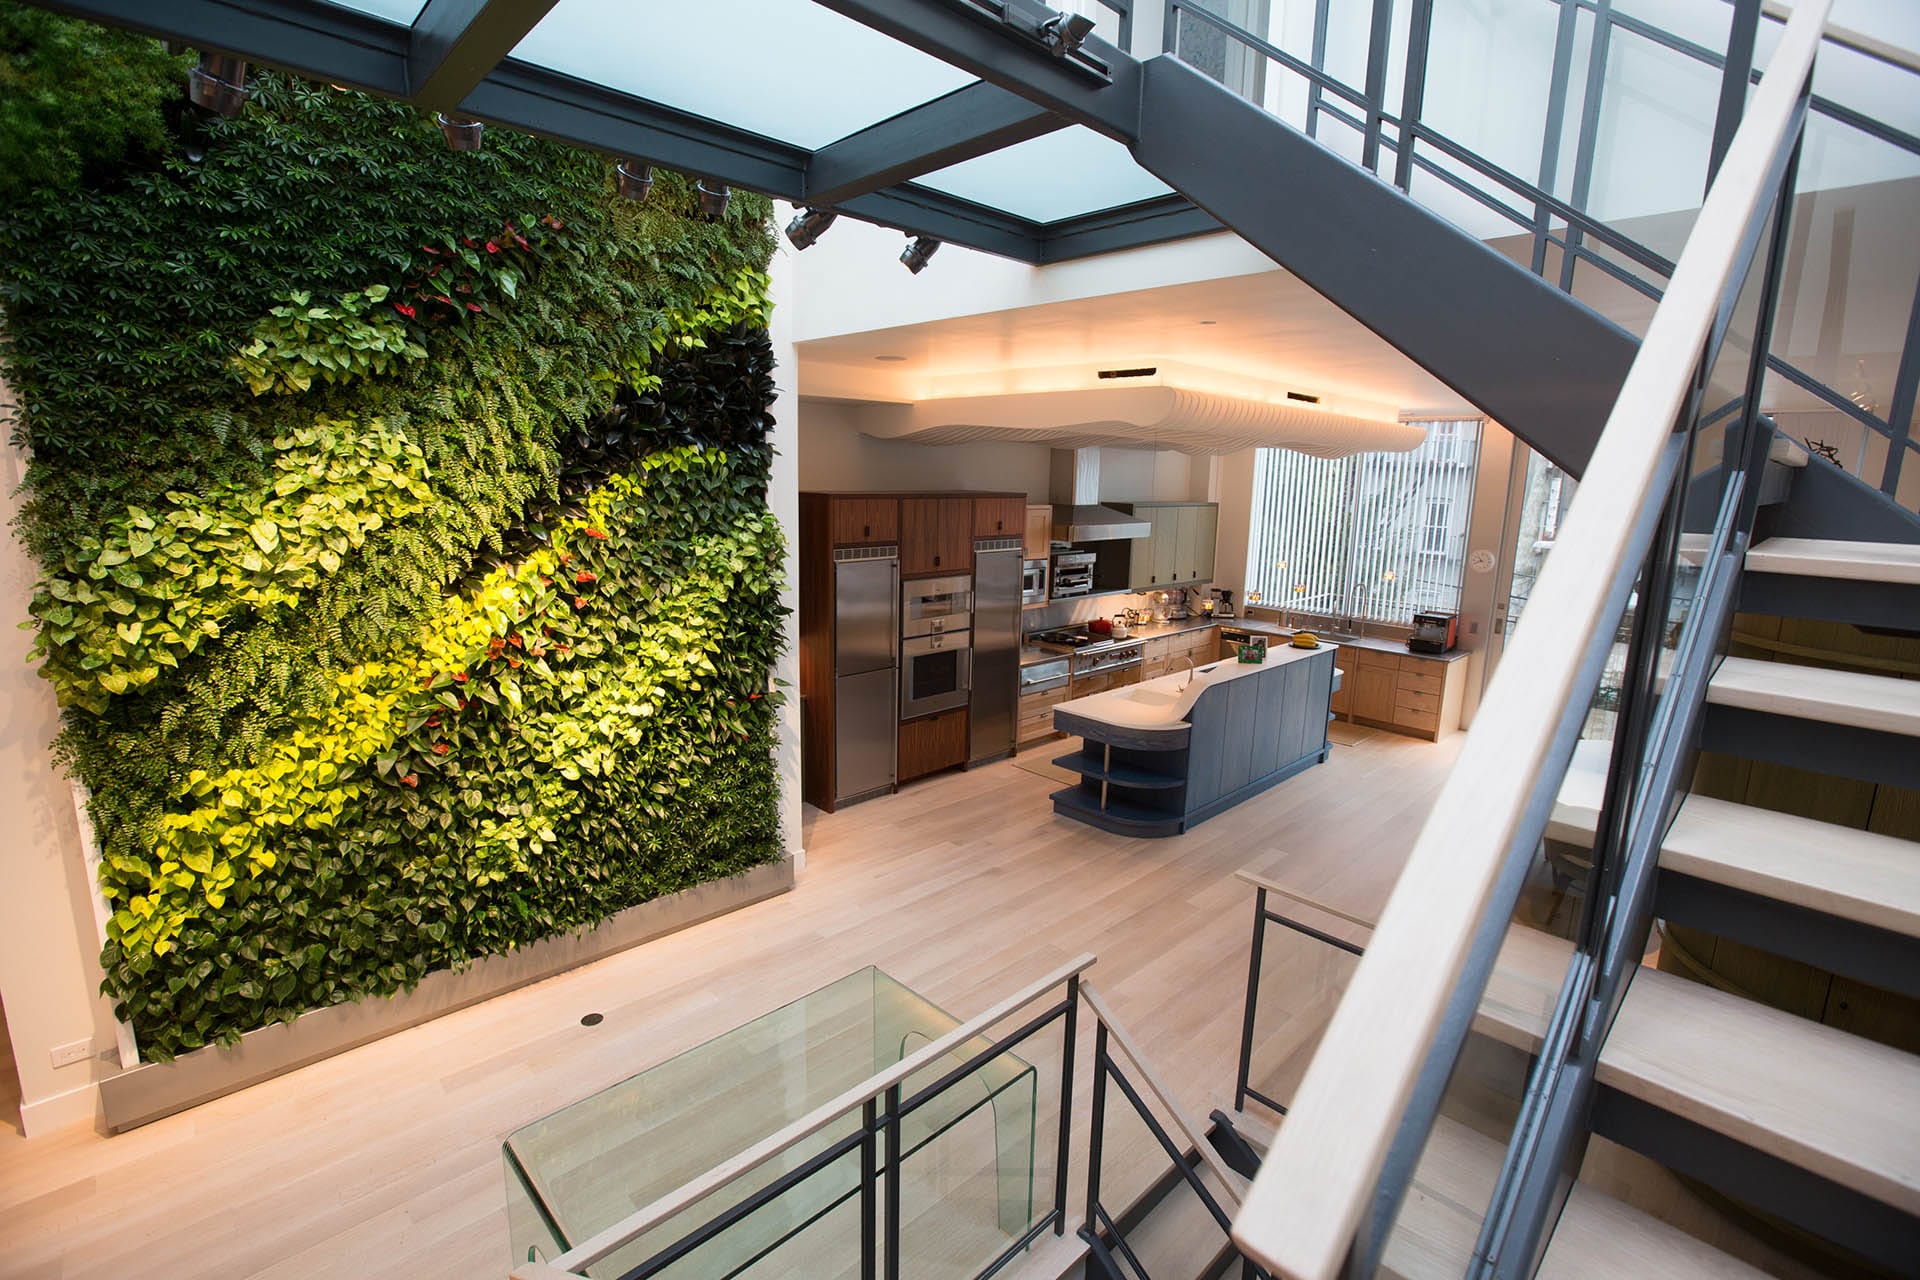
x=49 y=946
x=783 y=496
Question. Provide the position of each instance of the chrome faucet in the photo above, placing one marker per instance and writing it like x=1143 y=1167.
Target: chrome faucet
x=1191 y=673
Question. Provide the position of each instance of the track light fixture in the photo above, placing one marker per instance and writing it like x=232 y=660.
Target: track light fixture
x=218 y=84
x=461 y=132
x=916 y=255
x=1064 y=33
x=633 y=180
x=809 y=225
x=713 y=198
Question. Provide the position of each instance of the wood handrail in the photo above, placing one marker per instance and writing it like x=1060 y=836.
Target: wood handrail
x=574 y=1262
x=1261 y=880
x=1236 y=1186
x=1307 y=1202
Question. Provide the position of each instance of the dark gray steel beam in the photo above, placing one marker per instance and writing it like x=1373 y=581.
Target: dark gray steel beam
x=968 y=122
x=457 y=42
x=1535 y=360
x=323 y=41
x=967 y=36
x=924 y=212
x=1131 y=226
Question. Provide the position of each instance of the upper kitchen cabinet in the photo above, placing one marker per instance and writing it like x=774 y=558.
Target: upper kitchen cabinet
x=858 y=520
x=1039 y=537
x=1179 y=550
x=936 y=536
x=999 y=517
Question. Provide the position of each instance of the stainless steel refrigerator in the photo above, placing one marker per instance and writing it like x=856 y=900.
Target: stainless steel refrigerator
x=995 y=705
x=866 y=658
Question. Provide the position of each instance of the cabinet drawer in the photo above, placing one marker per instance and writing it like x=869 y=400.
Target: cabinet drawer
x=1033 y=704
x=1422 y=681
x=1414 y=662
x=1426 y=704
x=1157 y=650
x=1374 y=658
x=1032 y=728
x=1424 y=721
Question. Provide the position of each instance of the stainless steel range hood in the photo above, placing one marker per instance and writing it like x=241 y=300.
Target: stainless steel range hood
x=1077 y=513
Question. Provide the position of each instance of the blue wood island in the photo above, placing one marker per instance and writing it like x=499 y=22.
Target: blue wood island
x=1158 y=757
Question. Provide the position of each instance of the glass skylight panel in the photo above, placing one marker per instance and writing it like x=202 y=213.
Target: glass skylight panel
x=1058 y=175
x=403 y=12
x=790 y=70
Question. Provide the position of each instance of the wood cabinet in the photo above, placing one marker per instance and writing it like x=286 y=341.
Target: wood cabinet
x=1039 y=532
x=936 y=536
x=1408 y=692
x=933 y=743
x=1166 y=655
x=1036 y=714
x=1179 y=548
x=999 y=518
x=859 y=520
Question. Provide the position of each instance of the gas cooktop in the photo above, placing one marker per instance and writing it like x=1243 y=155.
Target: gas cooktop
x=1067 y=637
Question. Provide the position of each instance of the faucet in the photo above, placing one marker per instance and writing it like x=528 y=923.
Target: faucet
x=1191 y=673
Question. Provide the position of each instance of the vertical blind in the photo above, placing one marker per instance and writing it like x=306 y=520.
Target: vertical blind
x=1378 y=536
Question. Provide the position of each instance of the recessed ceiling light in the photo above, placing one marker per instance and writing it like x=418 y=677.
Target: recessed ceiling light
x=1209 y=322
x=890 y=359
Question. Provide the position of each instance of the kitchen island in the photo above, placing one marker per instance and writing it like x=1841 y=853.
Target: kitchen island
x=1160 y=756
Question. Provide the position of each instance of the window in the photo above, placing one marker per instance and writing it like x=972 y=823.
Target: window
x=1379 y=536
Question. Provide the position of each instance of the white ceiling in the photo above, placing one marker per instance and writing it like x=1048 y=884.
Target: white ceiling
x=1268 y=327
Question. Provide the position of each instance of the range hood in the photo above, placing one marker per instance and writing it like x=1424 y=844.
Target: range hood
x=1077 y=513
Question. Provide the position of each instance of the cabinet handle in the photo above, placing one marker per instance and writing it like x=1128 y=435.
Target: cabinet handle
x=866 y=531
x=936 y=562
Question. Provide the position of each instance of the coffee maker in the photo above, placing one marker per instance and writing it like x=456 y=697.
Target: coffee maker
x=1224 y=609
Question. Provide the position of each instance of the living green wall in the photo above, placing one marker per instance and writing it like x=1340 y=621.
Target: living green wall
x=410 y=589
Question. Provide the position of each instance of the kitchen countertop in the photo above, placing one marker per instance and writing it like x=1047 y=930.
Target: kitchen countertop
x=1032 y=653
x=1166 y=701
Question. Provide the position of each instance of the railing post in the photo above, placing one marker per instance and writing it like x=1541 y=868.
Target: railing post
x=869 y=1193
x=1753 y=454
x=1241 y=1080
x=1170 y=28
x=1378 y=39
x=1096 y=1125
x=1318 y=55
x=892 y=1121
x=1900 y=415
x=1413 y=93
x=1551 y=133
x=1735 y=76
x=1066 y=1107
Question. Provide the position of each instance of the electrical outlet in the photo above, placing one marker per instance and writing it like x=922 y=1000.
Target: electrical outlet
x=66 y=1055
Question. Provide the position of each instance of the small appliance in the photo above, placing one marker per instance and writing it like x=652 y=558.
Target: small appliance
x=929 y=606
x=1225 y=608
x=1122 y=626
x=1434 y=633
x=1033 y=582
x=1072 y=574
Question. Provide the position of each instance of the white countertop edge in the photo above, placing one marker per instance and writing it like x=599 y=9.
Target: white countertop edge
x=1123 y=709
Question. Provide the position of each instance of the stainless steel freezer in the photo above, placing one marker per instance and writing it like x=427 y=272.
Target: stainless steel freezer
x=995 y=704
x=866 y=656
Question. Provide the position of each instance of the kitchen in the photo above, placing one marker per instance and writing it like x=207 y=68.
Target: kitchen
x=941 y=629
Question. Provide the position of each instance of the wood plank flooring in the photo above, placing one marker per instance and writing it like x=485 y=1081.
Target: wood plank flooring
x=385 y=1161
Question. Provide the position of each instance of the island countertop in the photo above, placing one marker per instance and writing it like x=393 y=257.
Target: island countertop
x=1031 y=653
x=1164 y=702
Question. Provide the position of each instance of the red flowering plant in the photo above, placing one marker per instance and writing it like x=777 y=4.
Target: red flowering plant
x=464 y=276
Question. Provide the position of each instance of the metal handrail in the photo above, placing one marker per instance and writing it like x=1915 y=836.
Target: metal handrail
x=888 y=1083
x=1302 y=1213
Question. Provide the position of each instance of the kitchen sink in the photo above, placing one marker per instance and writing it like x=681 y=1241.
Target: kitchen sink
x=1151 y=697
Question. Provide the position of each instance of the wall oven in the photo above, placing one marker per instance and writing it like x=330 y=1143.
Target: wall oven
x=932 y=606
x=1072 y=574
x=936 y=673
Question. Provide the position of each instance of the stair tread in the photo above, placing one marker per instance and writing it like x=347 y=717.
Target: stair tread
x=1894 y=562
x=1523 y=987
x=1886 y=703
x=1839 y=1105
x=1596 y=1236
x=1856 y=875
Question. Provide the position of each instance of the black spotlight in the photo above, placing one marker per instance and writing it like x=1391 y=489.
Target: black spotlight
x=809 y=225
x=461 y=132
x=1064 y=33
x=916 y=255
x=633 y=180
x=218 y=84
x=713 y=199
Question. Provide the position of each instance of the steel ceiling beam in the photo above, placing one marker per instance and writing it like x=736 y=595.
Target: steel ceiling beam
x=457 y=42
x=1130 y=226
x=973 y=37
x=971 y=121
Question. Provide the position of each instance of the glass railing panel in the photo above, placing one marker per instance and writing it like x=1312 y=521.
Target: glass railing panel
x=1302 y=979
x=1489 y=78
x=1439 y=1224
x=1652 y=141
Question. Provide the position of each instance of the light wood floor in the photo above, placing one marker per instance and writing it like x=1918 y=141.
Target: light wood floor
x=385 y=1161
